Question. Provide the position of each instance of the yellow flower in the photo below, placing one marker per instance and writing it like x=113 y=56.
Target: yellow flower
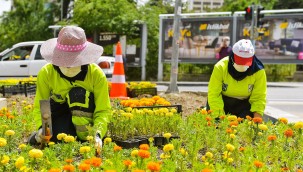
x=35 y=153
x=5 y=159
x=134 y=153
x=107 y=140
x=263 y=127
x=168 y=147
x=298 y=125
x=230 y=147
x=9 y=133
x=128 y=109
x=230 y=160
x=89 y=138
x=209 y=154
x=164 y=156
x=173 y=110
x=260 y=133
x=226 y=154
x=169 y=114
x=283 y=120
x=232 y=118
x=19 y=162
x=167 y=135
x=51 y=143
x=232 y=136
x=69 y=139
x=22 y=146
x=61 y=136
x=84 y=149
x=203 y=158
x=2 y=142
x=183 y=152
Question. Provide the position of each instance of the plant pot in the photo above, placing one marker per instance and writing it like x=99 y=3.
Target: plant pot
x=127 y=144
x=158 y=140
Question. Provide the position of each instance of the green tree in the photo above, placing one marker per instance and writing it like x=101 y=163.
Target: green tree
x=28 y=21
x=239 y=5
x=106 y=15
x=289 y=4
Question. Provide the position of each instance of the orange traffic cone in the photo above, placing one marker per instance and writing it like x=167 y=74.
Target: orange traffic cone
x=118 y=89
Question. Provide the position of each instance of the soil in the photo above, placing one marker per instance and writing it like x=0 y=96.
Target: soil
x=190 y=101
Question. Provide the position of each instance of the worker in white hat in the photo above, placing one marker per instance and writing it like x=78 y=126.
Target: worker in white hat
x=76 y=86
x=238 y=83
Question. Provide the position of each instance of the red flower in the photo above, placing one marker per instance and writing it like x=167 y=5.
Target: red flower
x=288 y=133
x=143 y=153
x=153 y=166
x=257 y=120
x=271 y=138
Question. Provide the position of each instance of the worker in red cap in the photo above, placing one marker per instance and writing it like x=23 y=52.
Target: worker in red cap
x=237 y=85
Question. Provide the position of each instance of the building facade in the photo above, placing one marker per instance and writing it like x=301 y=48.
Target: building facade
x=202 y=5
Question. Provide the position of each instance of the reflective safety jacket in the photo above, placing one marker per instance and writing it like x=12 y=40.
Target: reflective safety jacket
x=252 y=87
x=51 y=85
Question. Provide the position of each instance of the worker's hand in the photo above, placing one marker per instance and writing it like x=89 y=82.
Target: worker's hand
x=98 y=141
x=38 y=136
x=257 y=115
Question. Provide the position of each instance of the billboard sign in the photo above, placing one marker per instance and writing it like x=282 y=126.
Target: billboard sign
x=198 y=38
x=281 y=40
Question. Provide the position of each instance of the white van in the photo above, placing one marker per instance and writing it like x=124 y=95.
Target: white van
x=24 y=60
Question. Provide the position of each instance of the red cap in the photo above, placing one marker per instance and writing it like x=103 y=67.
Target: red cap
x=243 y=61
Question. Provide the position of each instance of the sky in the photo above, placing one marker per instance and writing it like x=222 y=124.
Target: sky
x=5 y=5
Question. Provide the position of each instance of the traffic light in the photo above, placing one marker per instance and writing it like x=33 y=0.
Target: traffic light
x=248 y=13
x=260 y=16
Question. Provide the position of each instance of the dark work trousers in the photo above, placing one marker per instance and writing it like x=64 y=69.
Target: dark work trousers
x=234 y=106
x=61 y=120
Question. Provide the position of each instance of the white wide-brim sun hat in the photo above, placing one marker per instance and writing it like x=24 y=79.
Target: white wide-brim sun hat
x=70 y=49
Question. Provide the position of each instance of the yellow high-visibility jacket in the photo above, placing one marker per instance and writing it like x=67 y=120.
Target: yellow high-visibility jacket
x=51 y=85
x=221 y=83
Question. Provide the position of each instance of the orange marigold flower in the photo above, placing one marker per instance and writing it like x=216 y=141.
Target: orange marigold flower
x=203 y=111
x=138 y=170
x=288 y=133
x=127 y=162
x=258 y=164
x=240 y=119
x=54 y=170
x=96 y=162
x=241 y=149
x=143 y=153
x=248 y=117
x=87 y=161
x=110 y=171
x=208 y=118
x=206 y=170
x=257 y=120
x=84 y=167
x=69 y=167
x=222 y=117
x=233 y=123
x=271 y=137
x=153 y=166
x=209 y=111
x=144 y=146
x=283 y=120
x=117 y=148
x=229 y=130
x=284 y=169
x=299 y=170
x=69 y=160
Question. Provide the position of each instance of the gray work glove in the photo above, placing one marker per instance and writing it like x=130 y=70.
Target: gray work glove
x=98 y=141
x=35 y=138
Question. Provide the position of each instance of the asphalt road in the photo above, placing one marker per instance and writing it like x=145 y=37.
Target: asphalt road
x=283 y=99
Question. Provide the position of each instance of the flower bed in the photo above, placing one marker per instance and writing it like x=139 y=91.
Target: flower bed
x=207 y=142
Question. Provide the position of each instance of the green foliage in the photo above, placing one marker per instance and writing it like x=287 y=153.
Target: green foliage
x=28 y=21
x=106 y=15
x=239 y=5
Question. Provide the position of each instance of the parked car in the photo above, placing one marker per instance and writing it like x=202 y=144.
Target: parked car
x=24 y=60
